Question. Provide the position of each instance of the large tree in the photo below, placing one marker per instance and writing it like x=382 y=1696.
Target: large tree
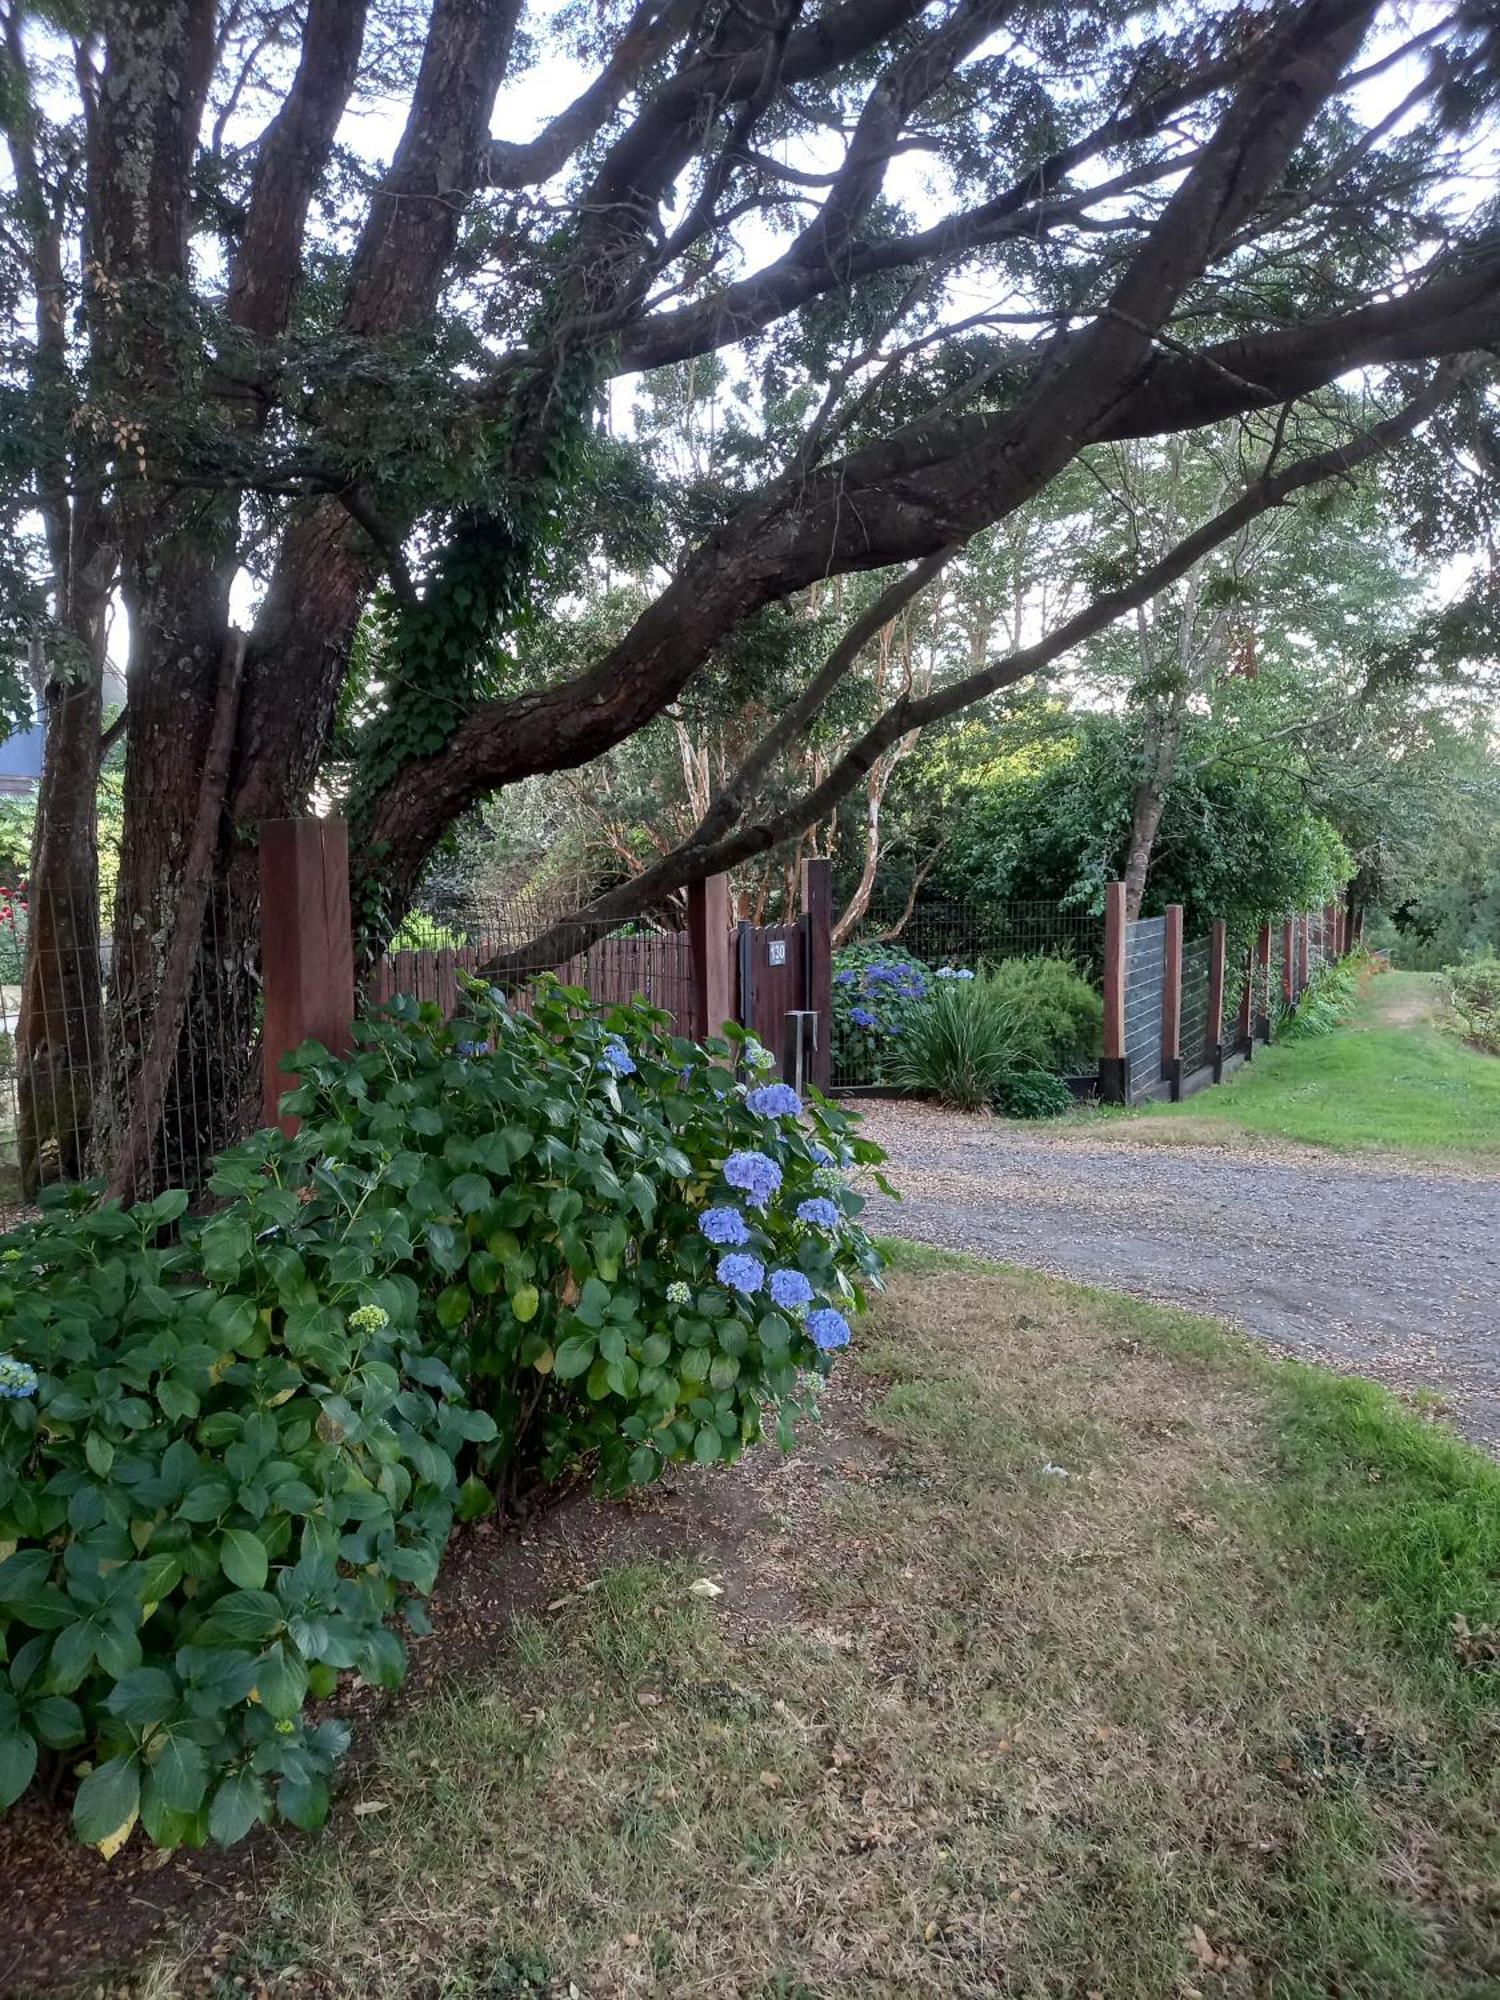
x=252 y=341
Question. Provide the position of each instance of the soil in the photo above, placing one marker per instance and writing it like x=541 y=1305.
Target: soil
x=1377 y=1269
x=74 y=1923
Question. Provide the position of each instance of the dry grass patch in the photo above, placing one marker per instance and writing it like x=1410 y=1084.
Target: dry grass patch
x=1058 y=1705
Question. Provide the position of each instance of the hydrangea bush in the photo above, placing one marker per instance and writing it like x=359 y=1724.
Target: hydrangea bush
x=608 y=1211
x=876 y=990
x=231 y=1449
x=226 y=1467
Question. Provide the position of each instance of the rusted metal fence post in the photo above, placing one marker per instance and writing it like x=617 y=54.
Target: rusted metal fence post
x=307 y=945
x=708 y=955
x=1218 y=945
x=1171 y=1002
x=1114 y=1063
x=817 y=945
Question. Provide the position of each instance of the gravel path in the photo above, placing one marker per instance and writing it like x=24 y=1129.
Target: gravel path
x=1378 y=1269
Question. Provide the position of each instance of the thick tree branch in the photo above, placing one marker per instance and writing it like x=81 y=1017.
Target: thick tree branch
x=697 y=856
x=293 y=154
x=926 y=488
x=649 y=33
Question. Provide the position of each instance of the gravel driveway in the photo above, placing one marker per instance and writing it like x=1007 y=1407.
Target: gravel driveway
x=1378 y=1269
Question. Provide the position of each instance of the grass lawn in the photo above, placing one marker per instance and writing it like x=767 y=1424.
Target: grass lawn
x=1393 y=1080
x=1095 y=1654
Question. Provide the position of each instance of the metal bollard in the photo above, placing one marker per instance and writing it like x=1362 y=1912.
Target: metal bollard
x=799 y=1040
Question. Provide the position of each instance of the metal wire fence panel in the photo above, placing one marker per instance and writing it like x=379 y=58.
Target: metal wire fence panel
x=1145 y=978
x=976 y=935
x=87 y=1059
x=1193 y=1043
x=944 y=937
x=617 y=965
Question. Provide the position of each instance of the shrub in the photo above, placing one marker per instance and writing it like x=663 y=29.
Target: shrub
x=1033 y=1093
x=225 y=1465
x=963 y=1045
x=877 y=992
x=1475 y=992
x=1059 y=1016
x=560 y=1186
x=1325 y=1005
x=231 y=1449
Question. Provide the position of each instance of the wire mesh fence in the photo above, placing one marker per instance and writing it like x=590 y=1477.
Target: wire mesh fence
x=91 y=1065
x=1194 y=1023
x=1145 y=983
x=893 y=959
x=976 y=935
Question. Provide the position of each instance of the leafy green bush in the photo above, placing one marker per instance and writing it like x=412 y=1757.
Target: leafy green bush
x=231 y=1449
x=557 y=1185
x=1033 y=1093
x=225 y=1465
x=1325 y=1005
x=1059 y=1016
x=963 y=1045
x=1475 y=992
x=877 y=992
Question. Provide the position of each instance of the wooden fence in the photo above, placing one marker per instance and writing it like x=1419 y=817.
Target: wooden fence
x=774 y=979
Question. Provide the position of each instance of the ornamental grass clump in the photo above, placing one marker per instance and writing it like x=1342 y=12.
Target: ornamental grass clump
x=963 y=1046
x=499 y=1249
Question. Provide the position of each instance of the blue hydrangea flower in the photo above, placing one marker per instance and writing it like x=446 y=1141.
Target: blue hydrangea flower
x=17 y=1378
x=790 y=1289
x=680 y=1294
x=821 y=1155
x=845 y=978
x=758 y=1057
x=741 y=1273
x=862 y=1017
x=754 y=1175
x=723 y=1226
x=617 y=1059
x=818 y=1212
x=774 y=1100
x=828 y=1329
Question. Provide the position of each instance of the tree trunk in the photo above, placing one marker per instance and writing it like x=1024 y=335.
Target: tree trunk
x=60 y=1043
x=1162 y=736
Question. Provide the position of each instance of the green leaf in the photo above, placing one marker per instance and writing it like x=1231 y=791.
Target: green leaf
x=243 y=1558
x=708 y=1446
x=144 y=1697
x=524 y=1302
x=281 y=1682
x=453 y=1306
x=108 y=1799
x=239 y=1803
x=180 y=1773
x=242 y=1615
x=100 y=1454
x=484 y=1275
x=17 y=1766
x=574 y=1355
x=593 y=1302
x=475 y=1500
